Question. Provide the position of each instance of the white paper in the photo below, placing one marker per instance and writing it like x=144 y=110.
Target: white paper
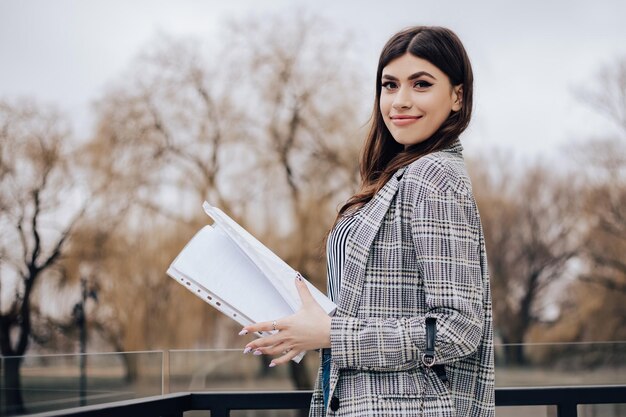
x=232 y=271
x=276 y=270
x=214 y=262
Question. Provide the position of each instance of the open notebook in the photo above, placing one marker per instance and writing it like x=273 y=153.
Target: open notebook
x=232 y=271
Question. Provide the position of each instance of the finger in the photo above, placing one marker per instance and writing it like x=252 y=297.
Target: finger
x=303 y=290
x=285 y=358
x=264 y=342
x=264 y=326
x=277 y=349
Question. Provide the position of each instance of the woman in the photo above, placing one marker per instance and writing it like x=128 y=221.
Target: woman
x=413 y=330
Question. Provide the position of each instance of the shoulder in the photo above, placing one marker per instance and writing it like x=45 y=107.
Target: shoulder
x=438 y=172
x=438 y=186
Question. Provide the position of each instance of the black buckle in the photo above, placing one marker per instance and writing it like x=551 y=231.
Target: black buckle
x=428 y=357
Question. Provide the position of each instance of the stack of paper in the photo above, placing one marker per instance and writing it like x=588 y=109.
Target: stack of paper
x=232 y=271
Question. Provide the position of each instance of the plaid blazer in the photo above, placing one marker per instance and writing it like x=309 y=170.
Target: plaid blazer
x=416 y=250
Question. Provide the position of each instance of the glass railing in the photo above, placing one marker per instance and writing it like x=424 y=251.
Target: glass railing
x=53 y=382
x=528 y=365
x=230 y=370
x=560 y=364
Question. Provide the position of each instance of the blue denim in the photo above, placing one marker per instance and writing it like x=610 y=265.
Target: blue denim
x=326 y=375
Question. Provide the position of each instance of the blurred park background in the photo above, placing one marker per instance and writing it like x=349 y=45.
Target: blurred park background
x=118 y=119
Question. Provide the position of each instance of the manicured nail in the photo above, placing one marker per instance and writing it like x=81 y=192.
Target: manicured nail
x=257 y=352
x=272 y=364
x=243 y=332
x=247 y=350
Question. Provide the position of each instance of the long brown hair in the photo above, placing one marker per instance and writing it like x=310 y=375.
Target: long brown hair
x=382 y=156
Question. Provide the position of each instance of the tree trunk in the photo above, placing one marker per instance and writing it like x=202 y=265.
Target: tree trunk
x=514 y=354
x=14 y=404
x=299 y=376
x=131 y=367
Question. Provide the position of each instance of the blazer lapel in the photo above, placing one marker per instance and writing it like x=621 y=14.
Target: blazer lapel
x=359 y=242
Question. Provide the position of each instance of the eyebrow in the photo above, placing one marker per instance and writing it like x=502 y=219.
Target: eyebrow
x=411 y=77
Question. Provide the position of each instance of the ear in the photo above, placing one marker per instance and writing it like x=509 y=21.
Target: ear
x=457 y=95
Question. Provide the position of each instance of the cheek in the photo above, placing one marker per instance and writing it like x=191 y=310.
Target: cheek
x=440 y=107
x=384 y=105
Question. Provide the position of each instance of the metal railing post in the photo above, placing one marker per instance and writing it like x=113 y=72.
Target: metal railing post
x=567 y=409
x=219 y=411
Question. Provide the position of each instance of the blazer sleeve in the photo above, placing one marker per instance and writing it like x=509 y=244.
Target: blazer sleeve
x=446 y=233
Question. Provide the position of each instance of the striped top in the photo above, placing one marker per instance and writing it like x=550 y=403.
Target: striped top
x=336 y=255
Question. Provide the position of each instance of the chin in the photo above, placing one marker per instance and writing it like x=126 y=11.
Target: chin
x=406 y=142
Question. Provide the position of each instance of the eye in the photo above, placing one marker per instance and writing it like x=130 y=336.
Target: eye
x=421 y=84
x=389 y=85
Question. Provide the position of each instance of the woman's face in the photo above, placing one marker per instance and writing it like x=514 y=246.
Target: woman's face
x=416 y=98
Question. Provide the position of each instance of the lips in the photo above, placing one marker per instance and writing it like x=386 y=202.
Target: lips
x=403 y=119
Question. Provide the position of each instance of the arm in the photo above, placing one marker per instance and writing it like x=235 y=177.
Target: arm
x=445 y=232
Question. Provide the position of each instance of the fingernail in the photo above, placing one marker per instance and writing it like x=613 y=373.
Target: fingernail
x=243 y=332
x=272 y=364
x=257 y=352
x=299 y=277
x=247 y=350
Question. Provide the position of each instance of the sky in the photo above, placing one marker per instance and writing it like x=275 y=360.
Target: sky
x=531 y=58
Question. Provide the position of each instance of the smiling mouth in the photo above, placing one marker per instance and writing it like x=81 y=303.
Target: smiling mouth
x=404 y=120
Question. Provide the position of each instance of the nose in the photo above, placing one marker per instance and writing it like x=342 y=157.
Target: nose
x=402 y=100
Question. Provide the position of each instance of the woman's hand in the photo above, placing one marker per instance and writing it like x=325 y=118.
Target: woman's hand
x=307 y=329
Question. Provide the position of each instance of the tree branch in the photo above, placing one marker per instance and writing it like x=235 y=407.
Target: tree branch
x=22 y=235
x=605 y=281
x=58 y=247
x=31 y=265
x=616 y=264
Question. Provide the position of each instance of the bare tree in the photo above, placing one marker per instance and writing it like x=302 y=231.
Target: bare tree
x=605 y=242
x=532 y=233
x=262 y=132
x=164 y=128
x=586 y=203
x=36 y=219
x=609 y=98
x=166 y=135
x=600 y=162
x=605 y=188
x=308 y=104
